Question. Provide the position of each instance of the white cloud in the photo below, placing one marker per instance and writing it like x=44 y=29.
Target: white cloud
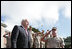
x=37 y=12
x=68 y=9
x=66 y=6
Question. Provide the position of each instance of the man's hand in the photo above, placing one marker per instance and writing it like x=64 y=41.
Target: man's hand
x=47 y=33
x=42 y=39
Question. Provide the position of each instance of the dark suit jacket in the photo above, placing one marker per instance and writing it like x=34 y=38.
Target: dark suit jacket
x=19 y=38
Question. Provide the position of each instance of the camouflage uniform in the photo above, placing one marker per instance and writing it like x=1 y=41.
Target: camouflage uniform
x=55 y=42
x=37 y=41
x=31 y=32
x=42 y=42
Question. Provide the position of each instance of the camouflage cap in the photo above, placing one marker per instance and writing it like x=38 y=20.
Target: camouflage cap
x=54 y=28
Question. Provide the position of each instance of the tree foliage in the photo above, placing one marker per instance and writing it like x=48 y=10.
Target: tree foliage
x=67 y=42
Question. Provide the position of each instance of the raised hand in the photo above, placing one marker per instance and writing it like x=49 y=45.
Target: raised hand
x=42 y=39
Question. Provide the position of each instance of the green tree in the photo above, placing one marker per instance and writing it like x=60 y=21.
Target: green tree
x=67 y=42
x=34 y=29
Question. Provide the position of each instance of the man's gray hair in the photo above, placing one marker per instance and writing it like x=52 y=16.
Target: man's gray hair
x=23 y=20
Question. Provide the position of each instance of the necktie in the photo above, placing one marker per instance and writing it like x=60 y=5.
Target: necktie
x=26 y=32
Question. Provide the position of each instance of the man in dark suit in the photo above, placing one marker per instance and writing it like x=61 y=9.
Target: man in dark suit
x=20 y=37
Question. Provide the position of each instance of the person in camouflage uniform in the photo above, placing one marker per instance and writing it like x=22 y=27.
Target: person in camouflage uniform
x=54 y=41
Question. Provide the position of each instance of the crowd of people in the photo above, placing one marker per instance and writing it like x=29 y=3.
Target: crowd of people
x=47 y=40
x=21 y=37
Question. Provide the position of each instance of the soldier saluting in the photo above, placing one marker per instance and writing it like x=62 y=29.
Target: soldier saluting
x=54 y=41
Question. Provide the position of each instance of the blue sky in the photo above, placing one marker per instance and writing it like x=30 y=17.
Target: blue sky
x=42 y=15
x=63 y=25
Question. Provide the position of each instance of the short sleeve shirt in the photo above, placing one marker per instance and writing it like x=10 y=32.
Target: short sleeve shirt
x=54 y=42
